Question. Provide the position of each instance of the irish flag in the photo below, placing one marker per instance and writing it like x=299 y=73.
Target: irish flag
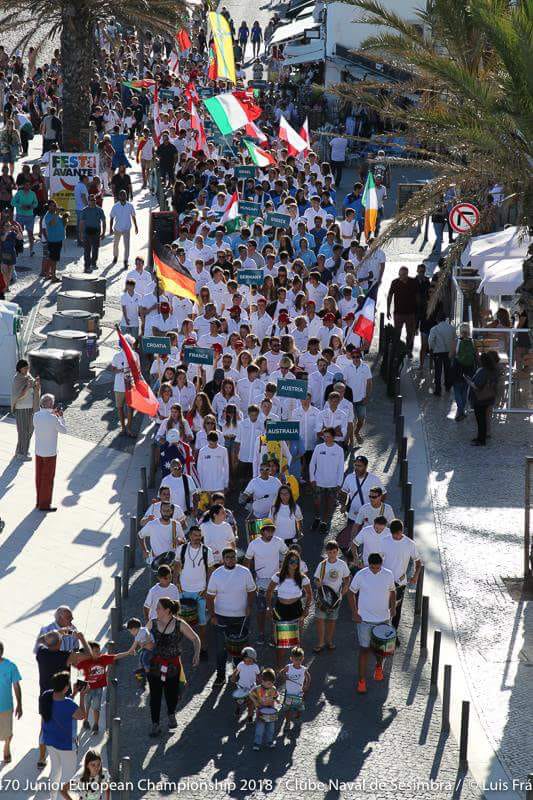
x=370 y=204
x=228 y=113
x=364 y=324
x=295 y=143
x=260 y=157
x=230 y=217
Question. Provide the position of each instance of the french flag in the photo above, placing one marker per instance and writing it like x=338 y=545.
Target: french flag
x=364 y=324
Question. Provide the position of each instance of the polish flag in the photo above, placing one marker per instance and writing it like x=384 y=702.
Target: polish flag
x=254 y=132
x=364 y=324
x=295 y=143
x=304 y=133
x=173 y=63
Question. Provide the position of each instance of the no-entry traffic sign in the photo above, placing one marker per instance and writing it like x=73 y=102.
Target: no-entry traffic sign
x=463 y=217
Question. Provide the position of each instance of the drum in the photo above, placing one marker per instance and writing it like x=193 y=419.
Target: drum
x=167 y=558
x=267 y=714
x=383 y=639
x=241 y=695
x=189 y=610
x=294 y=702
x=236 y=640
x=253 y=528
x=287 y=634
x=327 y=598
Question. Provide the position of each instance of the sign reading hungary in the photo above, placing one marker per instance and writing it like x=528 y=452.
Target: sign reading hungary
x=282 y=431
x=199 y=355
x=156 y=344
x=249 y=209
x=290 y=388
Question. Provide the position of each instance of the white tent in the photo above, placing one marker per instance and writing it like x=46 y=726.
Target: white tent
x=511 y=243
x=501 y=277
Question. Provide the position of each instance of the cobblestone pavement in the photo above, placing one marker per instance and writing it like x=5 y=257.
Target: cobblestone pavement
x=391 y=735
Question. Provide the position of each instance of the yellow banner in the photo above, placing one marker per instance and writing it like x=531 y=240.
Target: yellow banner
x=223 y=46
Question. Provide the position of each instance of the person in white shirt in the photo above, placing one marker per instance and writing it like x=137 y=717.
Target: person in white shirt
x=356 y=488
x=142 y=278
x=326 y=473
x=230 y=597
x=118 y=366
x=194 y=564
x=263 y=557
x=338 y=145
x=334 y=573
x=165 y=534
x=248 y=430
x=154 y=509
x=217 y=532
x=293 y=596
x=163 y=588
x=146 y=156
x=374 y=508
x=262 y=491
x=183 y=488
x=251 y=389
x=319 y=381
x=332 y=416
x=310 y=423
x=213 y=465
x=260 y=321
x=121 y=218
x=129 y=302
x=399 y=551
x=359 y=378
x=309 y=359
x=372 y=598
x=47 y=423
x=370 y=539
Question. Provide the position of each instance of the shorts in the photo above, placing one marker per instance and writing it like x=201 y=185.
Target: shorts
x=27 y=221
x=322 y=492
x=329 y=615
x=364 y=631
x=200 y=604
x=93 y=699
x=260 y=599
x=359 y=410
x=120 y=399
x=6 y=725
x=54 y=250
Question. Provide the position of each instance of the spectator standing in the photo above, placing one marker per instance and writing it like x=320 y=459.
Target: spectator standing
x=48 y=422
x=81 y=198
x=441 y=343
x=25 y=393
x=92 y=231
x=54 y=232
x=121 y=219
x=404 y=291
x=9 y=683
x=51 y=130
x=338 y=147
x=25 y=203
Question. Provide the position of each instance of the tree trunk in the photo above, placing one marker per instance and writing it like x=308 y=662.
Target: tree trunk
x=77 y=52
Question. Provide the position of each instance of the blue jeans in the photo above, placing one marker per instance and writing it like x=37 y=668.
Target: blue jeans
x=439 y=232
x=460 y=391
x=264 y=730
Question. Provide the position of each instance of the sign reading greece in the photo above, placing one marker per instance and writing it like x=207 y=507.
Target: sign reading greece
x=249 y=209
x=250 y=277
x=275 y=220
x=199 y=355
x=66 y=169
x=242 y=173
x=291 y=388
x=282 y=431
x=156 y=344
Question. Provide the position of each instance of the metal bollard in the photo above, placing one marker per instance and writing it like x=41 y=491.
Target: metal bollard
x=404 y=474
x=125 y=777
x=400 y=427
x=144 y=483
x=419 y=591
x=463 y=741
x=141 y=504
x=425 y=623
x=126 y=570
x=115 y=624
x=118 y=597
x=133 y=541
x=435 y=658
x=112 y=702
x=407 y=495
x=154 y=450
x=446 y=696
x=397 y=386
x=402 y=449
x=397 y=407
x=409 y=523
x=115 y=747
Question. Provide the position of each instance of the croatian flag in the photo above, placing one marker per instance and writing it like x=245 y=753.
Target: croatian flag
x=364 y=324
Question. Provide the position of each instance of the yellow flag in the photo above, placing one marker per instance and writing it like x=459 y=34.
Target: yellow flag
x=223 y=46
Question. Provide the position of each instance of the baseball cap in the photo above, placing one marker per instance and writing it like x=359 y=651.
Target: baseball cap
x=267 y=523
x=329 y=317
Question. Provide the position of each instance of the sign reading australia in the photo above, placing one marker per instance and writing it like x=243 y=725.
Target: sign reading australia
x=283 y=431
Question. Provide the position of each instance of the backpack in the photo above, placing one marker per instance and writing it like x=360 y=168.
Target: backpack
x=466 y=354
x=204 y=557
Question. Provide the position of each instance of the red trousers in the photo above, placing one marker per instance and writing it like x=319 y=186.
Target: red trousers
x=45 y=470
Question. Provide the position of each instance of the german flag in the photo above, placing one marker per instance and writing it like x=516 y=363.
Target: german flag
x=173 y=277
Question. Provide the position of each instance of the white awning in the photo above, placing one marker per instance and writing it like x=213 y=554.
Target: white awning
x=501 y=277
x=293 y=29
x=509 y=243
x=295 y=53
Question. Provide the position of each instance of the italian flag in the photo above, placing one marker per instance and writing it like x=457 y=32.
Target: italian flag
x=364 y=324
x=228 y=113
x=230 y=217
x=260 y=157
x=370 y=204
x=295 y=143
x=255 y=132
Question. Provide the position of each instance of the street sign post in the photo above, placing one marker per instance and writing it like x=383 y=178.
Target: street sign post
x=250 y=277
x=275 y=220
x=282 y=431
x=199 y=355
x=291 y=388
x=156 y=344
x=463 y=217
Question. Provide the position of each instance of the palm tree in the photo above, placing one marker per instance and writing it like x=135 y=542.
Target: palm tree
x=472 y=73
x=76 y=22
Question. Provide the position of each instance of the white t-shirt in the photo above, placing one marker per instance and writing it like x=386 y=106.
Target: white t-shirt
x=356 y=378
x=367 y=513
x=334 y=573
x=288 y=589
x=123 y=215
x=230 y=588
x=160 y=535
x=247 y=675
x=372 y=541
x=154 y=510
x=263 y=493
x=294 y=681
x=266 y=556
x=119 y=361
x=374 y=589
x=177 y=492
x=130 y=302
x=338 y=148
x=217 y=537
x=193 y=576
x=213 y=468
x=368 y=482
x=286 y=521
x=156 y=593
x=396 y=556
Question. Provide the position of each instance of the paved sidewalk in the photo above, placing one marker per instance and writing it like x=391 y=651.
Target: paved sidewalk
x=67 y=558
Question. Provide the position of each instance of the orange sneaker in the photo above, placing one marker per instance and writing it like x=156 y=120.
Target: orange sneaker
x=361 y=686
x=378 y=673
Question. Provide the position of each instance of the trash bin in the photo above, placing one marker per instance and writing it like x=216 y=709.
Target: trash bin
x=92 y=346
x=85 y=301
x=71 y=340
x=76 y=320
x=10 y=324
x=58 y=370
x=84 y=283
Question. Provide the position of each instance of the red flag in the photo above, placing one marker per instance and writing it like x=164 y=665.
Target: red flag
x=138 y=394
x=191 y=93
x=196 y=125
x=364 y=324
x=212 y=72
x=304 y=133
x=253 y=111
x=183 y=40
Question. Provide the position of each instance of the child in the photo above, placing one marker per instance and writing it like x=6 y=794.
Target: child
x=245 y=676
x=93 y=781
x=95 y=674
x=140 y=636
x=297 y=680
x=264 y=699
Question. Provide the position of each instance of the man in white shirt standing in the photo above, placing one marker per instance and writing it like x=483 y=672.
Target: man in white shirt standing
x=194 y=563
x=121 y=218
x=248 y=430
x=213 y=465
x=47 y=423
x=326 y=473
x=334 y=574
x=398 y=552
x=119 y=366
x=265 y=553
x=359 y=379
x=310 y=423
x=339 y=145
